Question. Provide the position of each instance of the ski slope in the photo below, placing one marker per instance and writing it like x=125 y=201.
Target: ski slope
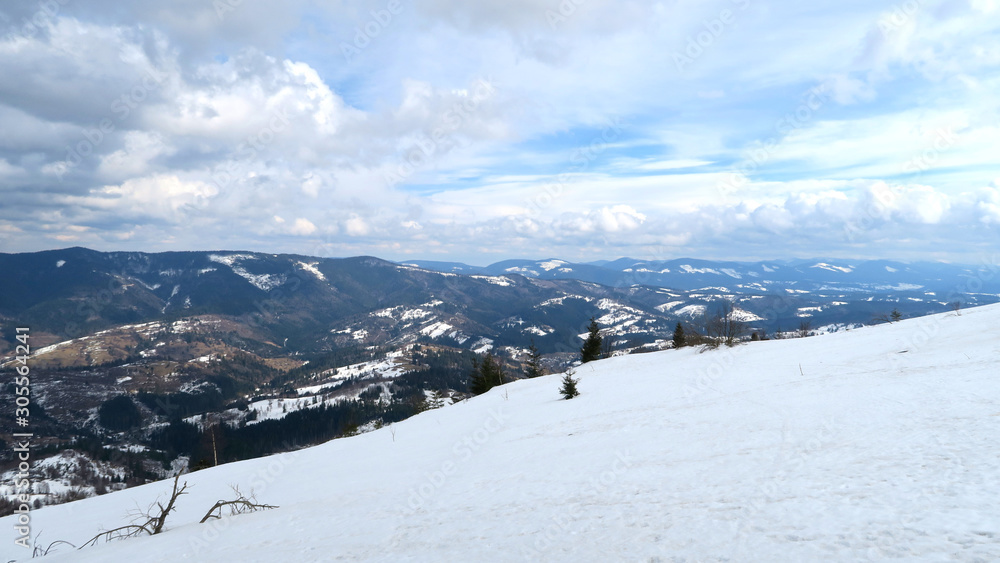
x=881 y=443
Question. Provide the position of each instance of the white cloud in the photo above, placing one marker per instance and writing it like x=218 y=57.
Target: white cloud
x=356 y=226
x=252 y=125
x=302 y=227
x=154 y=195
x=607 y=220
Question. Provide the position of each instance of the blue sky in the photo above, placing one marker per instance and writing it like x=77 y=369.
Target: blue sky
x=480 y=131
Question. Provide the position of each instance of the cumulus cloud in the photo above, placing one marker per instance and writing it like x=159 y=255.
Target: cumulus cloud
x=606 y=219
x=153 y=194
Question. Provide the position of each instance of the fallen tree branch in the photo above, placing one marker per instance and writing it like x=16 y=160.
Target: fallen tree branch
x=153 y=523
x=240 y=505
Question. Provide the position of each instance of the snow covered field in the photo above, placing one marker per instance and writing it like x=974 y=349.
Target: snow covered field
x=875 y=444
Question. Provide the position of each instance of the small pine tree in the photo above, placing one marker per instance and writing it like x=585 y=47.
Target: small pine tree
x=895 y=315
x=591 y=349
x=534 y=366
x=568 y=389
x=679 y=339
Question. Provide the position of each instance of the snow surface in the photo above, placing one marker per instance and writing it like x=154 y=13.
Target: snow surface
x=264 y=282
x=693 y=311
x=874 y=444
x=495 y=280
x=668 y=306
x=692 y=270
x=551 y=264
x=831 y=268
x=312 y=269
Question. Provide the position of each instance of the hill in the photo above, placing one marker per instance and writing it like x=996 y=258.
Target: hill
x=876 y=443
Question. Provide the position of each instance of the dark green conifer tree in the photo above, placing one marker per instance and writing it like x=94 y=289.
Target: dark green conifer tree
x=591 y=349
x=485 y=375
x=679 y=339
x=533 y=368
x=568 y=389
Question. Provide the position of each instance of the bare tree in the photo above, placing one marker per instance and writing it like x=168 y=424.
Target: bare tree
x=881 y=318
x=607 y=347
x=956 y=306
x=805 y=328
x=724 y=327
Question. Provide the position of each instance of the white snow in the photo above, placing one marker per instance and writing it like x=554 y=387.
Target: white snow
x=559 y=300
x=436 y=330
x=745 y=316
x=517 y=270
x=551 y=264
x=692 y=311
x=387 y=367
x=825 y=266
x=874 y=444
x=264 y=282
x=311 y=268
x=692 y=270
x=60 y=263
x=496 y=280
x=482 y=345
x=890 y=269
x=731 y=273
x=668 y=306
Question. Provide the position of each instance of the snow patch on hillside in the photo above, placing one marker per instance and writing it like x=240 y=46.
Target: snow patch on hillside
x=519 y=270
x=496 y=280
x=264 y=282
x=668 y=306
x=312 y=269
x=436 y=330
x=692 y=270
x=831 y=268
x=745 y=316
x=692 y=311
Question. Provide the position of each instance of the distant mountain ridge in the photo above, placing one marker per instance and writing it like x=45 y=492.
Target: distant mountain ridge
x=802 y=274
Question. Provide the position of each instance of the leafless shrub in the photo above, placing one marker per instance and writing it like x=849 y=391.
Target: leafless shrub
x=881 y=318
x=241 y=505
x=151 y=521
x=805 y=328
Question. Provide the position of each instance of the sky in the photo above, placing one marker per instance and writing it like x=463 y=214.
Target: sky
x=482 y=131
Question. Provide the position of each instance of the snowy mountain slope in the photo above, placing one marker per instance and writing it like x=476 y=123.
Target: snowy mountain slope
x=878 y=443
x=815 y=275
